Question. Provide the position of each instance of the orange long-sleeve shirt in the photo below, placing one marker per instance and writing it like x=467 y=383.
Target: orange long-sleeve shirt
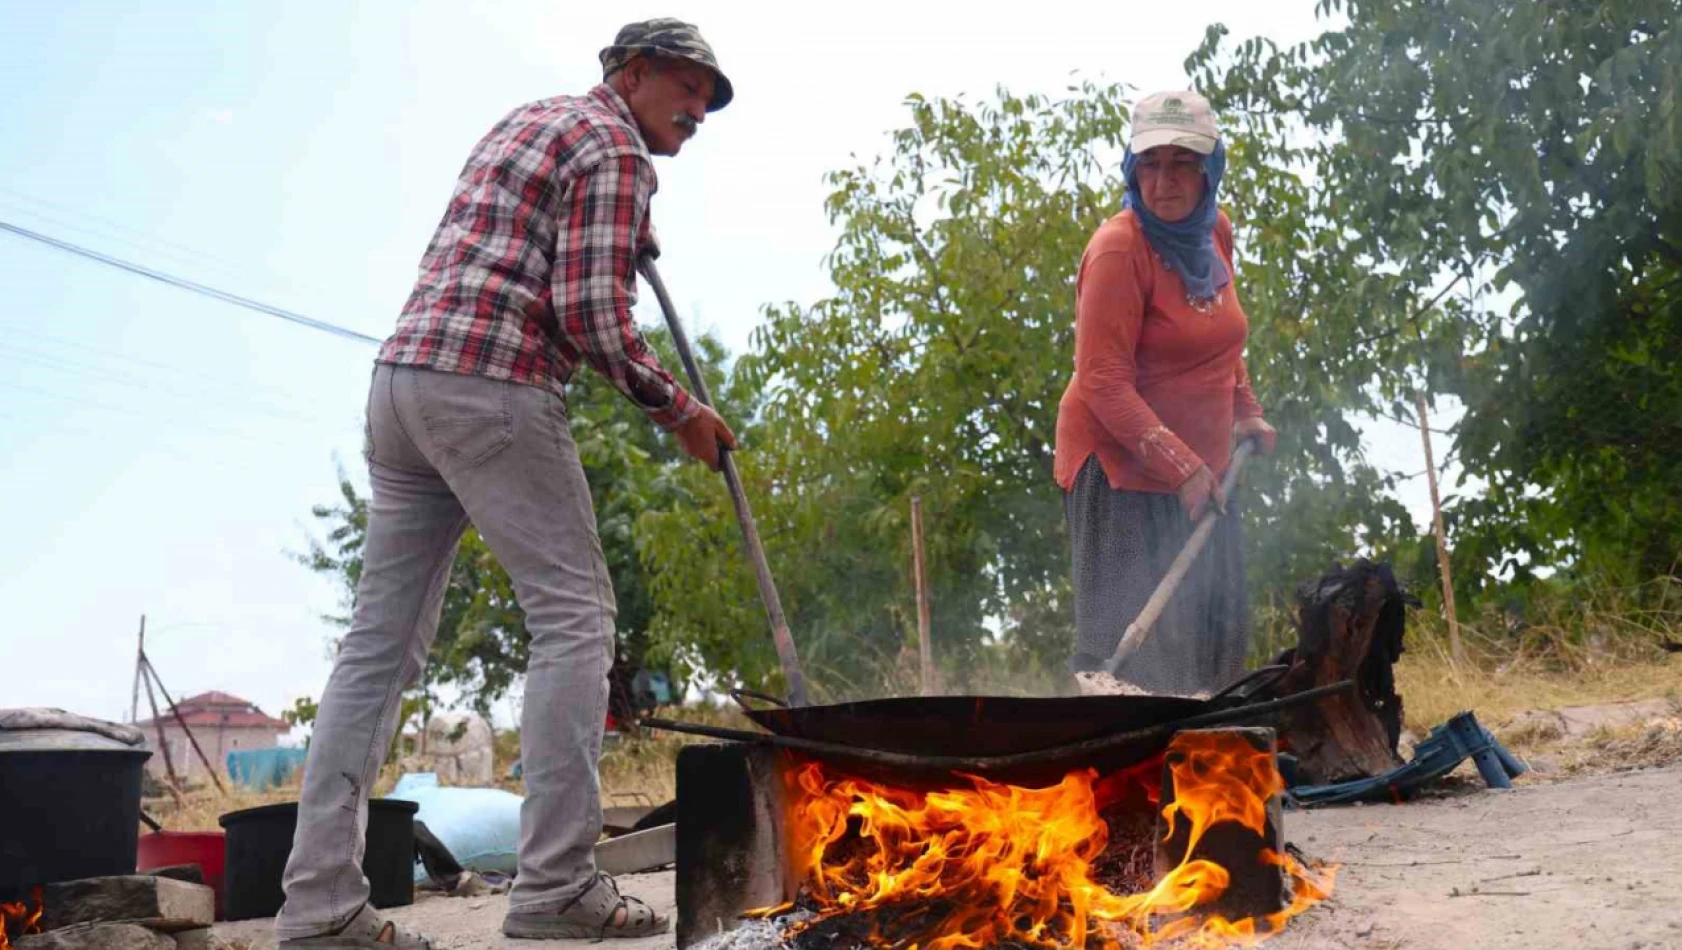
x=1157 y=383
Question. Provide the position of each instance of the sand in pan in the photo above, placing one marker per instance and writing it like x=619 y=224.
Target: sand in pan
x=1100 y=683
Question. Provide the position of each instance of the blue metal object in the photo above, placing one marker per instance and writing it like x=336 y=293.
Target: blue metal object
x=1449 y=744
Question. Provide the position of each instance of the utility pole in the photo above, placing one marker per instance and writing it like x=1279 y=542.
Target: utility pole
x=139 y=658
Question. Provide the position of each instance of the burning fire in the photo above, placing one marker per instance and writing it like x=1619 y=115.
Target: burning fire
x=18 y=911
x=991 y=864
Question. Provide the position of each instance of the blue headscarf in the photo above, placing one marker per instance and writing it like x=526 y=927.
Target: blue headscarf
x=1187 y=245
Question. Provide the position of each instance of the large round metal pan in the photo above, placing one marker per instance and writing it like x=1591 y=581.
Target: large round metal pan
x=985 y=725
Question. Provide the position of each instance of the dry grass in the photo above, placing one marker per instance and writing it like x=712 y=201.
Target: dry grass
x=202 y=804
x=1436 y=688
x=1595 y=648
x=646 y=765
x=1564 y=657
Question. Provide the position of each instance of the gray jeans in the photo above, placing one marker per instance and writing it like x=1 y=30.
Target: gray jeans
x=444 y=449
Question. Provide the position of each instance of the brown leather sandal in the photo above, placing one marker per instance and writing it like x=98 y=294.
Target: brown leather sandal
x=588 y=916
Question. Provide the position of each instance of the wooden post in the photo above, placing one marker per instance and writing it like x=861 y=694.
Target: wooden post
x=925 y=651
x=163 y=742
x=182 y=722
x=134 y=704
x=1442 y=535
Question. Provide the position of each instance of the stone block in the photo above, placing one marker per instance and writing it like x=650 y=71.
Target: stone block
x=201 y=939
x=99 y=937
x=191 y=873
x=161 y=903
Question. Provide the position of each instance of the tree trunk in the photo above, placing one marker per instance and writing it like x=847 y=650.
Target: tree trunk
x=1349 y=626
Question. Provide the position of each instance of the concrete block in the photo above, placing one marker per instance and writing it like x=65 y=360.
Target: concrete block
x=161 y=903
x=99 y=937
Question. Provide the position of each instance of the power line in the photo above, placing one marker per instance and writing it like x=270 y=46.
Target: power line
x=287 y=396
x=193 y=286
x=199 y=398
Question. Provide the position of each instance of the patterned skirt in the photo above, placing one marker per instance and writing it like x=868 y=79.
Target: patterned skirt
x=1122 y=544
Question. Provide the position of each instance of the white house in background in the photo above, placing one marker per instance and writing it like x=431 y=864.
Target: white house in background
x=221 y=723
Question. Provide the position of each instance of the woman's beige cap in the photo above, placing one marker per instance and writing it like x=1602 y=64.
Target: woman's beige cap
x=1180 y=117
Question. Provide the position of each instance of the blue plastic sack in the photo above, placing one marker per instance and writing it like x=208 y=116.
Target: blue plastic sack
x=263 y=769
x=480 y=826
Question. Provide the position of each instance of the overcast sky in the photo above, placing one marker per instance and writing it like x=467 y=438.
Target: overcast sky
x=162 y=450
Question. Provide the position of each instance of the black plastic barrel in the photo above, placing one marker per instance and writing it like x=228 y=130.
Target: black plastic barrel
x=68 y=813
x=259 y=840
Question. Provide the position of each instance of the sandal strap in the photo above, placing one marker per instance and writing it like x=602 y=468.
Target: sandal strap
x=637 y=910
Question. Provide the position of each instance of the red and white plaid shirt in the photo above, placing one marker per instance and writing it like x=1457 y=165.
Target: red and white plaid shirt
x=533 y=268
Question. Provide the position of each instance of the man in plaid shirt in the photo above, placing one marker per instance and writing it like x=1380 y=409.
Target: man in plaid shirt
x=532 y=271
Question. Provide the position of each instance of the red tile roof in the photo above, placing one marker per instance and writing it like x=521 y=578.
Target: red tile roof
x=217 y=708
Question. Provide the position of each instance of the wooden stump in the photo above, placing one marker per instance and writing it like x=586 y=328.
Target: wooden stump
x=1349 y=626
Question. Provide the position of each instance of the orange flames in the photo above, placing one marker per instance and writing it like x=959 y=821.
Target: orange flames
x=18 y=911
x=984 y=865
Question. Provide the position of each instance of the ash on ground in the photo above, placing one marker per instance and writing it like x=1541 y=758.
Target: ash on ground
x=755 y=934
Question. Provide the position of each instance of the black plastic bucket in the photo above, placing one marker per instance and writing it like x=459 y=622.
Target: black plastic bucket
x=67 y=814
x=259 y=840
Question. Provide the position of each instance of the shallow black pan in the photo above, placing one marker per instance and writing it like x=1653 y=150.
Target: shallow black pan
x=986 y=725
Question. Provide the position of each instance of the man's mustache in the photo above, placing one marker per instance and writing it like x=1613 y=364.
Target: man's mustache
x=686 y=122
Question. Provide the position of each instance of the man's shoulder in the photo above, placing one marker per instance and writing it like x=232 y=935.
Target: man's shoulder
x=590 y=127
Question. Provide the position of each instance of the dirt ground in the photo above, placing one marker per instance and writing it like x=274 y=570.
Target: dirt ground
x=475 y=923
x=1589 y=863
x=1586 y=863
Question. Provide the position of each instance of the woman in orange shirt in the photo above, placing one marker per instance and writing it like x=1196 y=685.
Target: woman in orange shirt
x=1159 y=396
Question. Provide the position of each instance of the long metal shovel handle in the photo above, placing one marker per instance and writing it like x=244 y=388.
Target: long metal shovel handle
x=1140 y=628
x=786 y=654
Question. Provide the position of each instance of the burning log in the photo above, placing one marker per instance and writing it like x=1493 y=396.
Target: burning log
x=1350 y=625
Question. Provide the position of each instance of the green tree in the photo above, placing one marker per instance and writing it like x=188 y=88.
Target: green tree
x=1527 y=156
x=483 y=645
x=936 y=369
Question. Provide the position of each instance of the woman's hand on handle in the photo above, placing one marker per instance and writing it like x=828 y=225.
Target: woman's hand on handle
x=1255 y=428
x=1199 y=492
